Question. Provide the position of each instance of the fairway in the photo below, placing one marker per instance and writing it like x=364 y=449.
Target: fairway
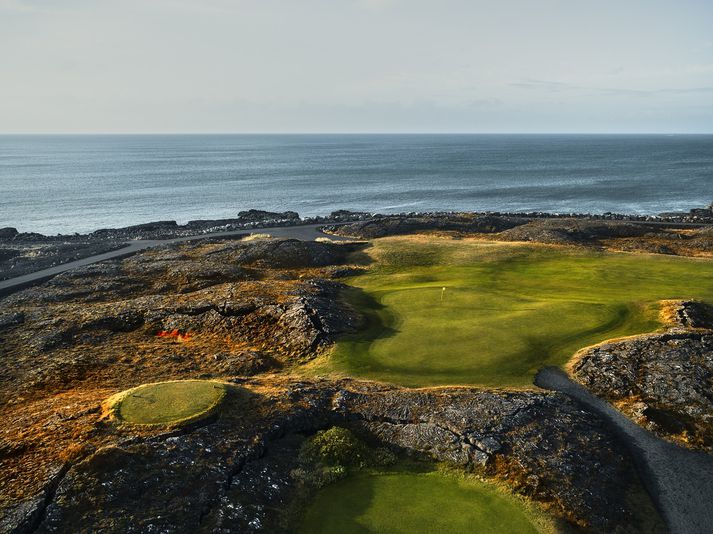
x=413 y=503
x=166 y=403
x=507 y=309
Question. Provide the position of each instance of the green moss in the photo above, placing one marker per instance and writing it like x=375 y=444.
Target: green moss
x=507 y=310
x=166 y=403
x=412 y=502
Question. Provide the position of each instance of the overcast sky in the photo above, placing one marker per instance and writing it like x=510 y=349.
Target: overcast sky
x=356 y=66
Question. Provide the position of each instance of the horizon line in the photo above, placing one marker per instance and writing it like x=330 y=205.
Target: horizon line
x=349 y=133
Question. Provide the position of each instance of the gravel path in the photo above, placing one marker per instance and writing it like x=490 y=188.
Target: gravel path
x=679 y=480
x=307 y=232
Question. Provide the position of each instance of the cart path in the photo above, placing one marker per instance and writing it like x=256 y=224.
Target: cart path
x=679 y=481
x=307 y=232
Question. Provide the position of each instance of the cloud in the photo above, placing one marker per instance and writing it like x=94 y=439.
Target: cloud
x=559 y=87
x=377 y=5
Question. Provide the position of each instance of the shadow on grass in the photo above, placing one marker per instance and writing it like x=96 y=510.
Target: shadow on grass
x=354 y=498
x=542 y=348
x=340 y=515
x=378 y=322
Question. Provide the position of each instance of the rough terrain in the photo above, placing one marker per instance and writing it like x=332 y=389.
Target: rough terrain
x=679 y=480
x=624 y=235
x=234 y=474
x=231 y=310
x=251 y=313
x=663 y=381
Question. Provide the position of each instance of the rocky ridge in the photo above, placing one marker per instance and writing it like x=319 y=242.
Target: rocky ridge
x=239 y=466
x=625 y=235
x=661 y=380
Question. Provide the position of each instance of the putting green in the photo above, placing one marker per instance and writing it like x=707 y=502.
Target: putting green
x=166 y=403
x=413 y=503
x=507 y=309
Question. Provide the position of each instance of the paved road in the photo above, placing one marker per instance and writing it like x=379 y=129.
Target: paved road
x=679 y=480
x=306 y=232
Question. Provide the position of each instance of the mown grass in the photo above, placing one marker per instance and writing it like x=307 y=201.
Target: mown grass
x=507 y=310
x=166 y=403
x=408 y=502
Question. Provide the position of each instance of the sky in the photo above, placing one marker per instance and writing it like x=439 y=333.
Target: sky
x=259 y=66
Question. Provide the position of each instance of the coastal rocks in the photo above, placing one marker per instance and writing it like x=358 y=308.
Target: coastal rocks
x=572 y=231
x=662 y=381
x=501 y=434
x=8 y=232
x=383 y=226
x=681 y=242
x=267 y=216
x=140 y=231
x=315 y=319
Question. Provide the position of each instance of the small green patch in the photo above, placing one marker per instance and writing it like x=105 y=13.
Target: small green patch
x=409 y=502
x=169 y=404
x=331 y=454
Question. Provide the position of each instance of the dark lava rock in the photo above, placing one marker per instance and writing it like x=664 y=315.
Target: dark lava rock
x=240 y=320
x=11 y=319
x=291 y=253
x=572 y=231
x=234 y=474
x=145 y=227
x=383 y=226
x=20 y=257
x=316 y=318
x=8 y=232
x=262 y=216
x=693 y=314
x=663 y=381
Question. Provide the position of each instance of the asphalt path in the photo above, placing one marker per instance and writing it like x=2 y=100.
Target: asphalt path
x=679 y=481
x=307 y=232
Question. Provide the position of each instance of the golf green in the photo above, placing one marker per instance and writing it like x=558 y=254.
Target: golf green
x=446 y=311
x=413 y=503
x=166 y=403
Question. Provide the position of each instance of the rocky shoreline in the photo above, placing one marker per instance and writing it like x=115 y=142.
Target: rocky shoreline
x=25 y=252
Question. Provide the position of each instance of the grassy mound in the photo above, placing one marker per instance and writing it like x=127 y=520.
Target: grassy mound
x=507 y=308
x=410 y=502
x=170 y=403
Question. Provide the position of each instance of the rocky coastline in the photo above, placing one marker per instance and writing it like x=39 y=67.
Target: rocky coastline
x=25 y=252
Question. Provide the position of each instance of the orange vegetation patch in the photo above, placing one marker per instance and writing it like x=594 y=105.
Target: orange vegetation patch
x=175 y=334
x=41 y=436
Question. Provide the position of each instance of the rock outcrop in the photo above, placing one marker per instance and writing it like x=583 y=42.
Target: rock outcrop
x=240 y=308
x=234 y=475
x=573 y=231
x=663 y=380
x=383 y=226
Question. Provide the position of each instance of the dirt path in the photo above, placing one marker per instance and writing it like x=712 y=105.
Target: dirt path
x=679 y=481
x=306 y=232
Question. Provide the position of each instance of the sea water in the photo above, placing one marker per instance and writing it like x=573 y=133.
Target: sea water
x=78 y=183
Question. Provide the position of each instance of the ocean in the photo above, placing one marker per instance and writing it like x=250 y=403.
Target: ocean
x=79 y=183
